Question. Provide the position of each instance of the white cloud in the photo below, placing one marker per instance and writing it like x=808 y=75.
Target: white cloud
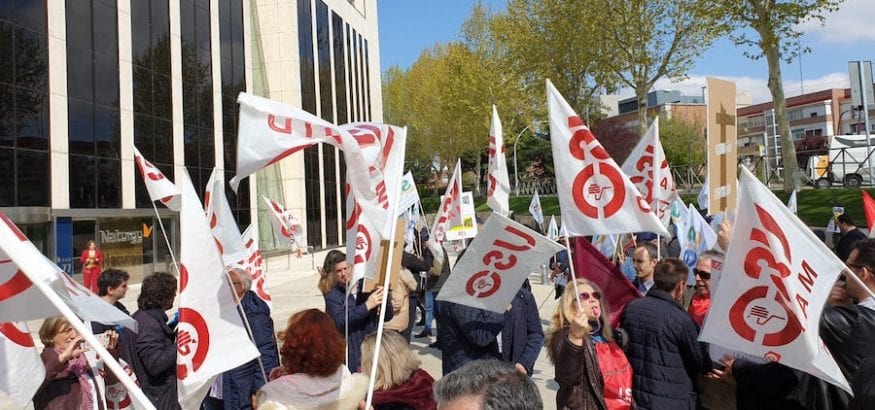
x=756 y=87
x=851 y=22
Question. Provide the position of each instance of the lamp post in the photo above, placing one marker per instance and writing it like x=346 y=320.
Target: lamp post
x=516 y=175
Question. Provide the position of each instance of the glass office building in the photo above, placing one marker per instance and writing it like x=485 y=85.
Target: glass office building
x=83 y=81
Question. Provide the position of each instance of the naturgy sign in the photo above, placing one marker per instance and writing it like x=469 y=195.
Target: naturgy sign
x=116 y=236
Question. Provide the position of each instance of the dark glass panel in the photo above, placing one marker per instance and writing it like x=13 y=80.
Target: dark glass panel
x=81 y=127
x=7 y=54
x=141 y=29
x=353 y=114
x=106 y=79
x=202 y=23
x=79 y=23
x=80 y=83
x=207 y=148
x=143 y=136
x=191 y=146
x=323 y=42
x=367 y=67
x=360 y=73
x=105 y=29
x=106 y=132
x=339 y=69
x=7 y=115
x=31 y=66
x=33 y=119
x=305 y=50
x=163 y=141
x=6 y=12
x=142 y=82
x=109 y=183
x=160 y=25
x=342 y=168
x=329 y=170
x=31 y=14
x=7 y=177
x=163 y=106
x=187 y=27
x=313 y=196
x=82 y=182
x=141 y=196
x=32 y=178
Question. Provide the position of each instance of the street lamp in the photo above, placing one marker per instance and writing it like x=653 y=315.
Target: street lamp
x=516 y=175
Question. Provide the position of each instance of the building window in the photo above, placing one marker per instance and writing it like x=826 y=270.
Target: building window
x=24 y=114
x=197 y=91
x=153 y=114
x=339 y=69
x=367 y=82
x=233 y=82
x=323 y=41
x=305 y=50
x=313 y=197
x=93 y=103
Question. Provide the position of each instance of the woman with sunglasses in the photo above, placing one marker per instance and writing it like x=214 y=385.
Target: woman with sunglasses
x=701 y=301
x=591 y=369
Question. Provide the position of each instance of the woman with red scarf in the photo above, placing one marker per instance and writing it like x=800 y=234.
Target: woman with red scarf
x=92 y=261
x=400 y=383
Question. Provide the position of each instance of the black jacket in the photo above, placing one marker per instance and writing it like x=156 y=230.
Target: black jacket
x=362 y=321
x=241 y=382
x=847 y=241
x=666 y=358
x=154 y=358
x=522 y=336
x=849 y=333
x=766 y=386
x=467 y=334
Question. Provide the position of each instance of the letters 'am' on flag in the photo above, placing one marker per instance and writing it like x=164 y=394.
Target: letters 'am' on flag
x=496 y=263
x=648 y=169
x=595 y=195
x=498 y=183
x=770 y=304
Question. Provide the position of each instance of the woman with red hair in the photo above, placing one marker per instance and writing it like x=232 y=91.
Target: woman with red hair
x=312 y=375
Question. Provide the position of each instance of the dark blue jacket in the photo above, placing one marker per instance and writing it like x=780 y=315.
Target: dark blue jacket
x=154 y=358
x=522 y=335
x=466 y=334
x=666 y=358
x=240 y=383
x=362 y=321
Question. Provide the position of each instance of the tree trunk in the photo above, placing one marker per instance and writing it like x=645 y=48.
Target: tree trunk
x=477 y=175
x=641 y=96
x=788 y=149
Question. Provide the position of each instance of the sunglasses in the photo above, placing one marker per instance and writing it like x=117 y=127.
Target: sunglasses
x=702 y=274
x=584 y=296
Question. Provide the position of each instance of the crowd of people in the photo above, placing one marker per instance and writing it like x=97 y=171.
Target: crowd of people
x=649 y=359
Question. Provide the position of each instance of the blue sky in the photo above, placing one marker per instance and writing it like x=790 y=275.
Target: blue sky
x=409 y=26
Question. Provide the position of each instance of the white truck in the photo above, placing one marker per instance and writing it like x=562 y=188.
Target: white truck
x=847 y=163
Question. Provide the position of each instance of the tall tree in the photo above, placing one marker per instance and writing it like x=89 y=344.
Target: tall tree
x=770 y=28
x=653 y=39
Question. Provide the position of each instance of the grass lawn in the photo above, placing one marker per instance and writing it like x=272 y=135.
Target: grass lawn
x=815 y=205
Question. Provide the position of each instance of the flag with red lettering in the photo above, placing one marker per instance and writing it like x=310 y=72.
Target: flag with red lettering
x=23 y=371
x=210 y=336
x=157 y=185
x=285 y=225
x=270 y=131
x=255 y=266
x=362 y=240
x=496 y=263
x=648 y=169
x=22 y=264
x=869 y=208
x=591 y=264
x=222 y=222
x=116 y=396
x=595 y=195
x=498 y=184
x=770 y=305
x=449 y=213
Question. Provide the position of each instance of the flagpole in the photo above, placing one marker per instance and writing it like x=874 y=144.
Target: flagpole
x=167 y=241
x=89 y=337
x=386 y=280
x=242 y=314
x=571 y=265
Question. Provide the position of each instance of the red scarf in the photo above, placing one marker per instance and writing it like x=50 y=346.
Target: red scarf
x=415 y=392
x=699 y=306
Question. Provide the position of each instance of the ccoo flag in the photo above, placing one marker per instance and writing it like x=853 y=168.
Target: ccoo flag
x=450 y=212
x=224 y=228
x=498 y=187
x=648 y=169
x=157 y=185
x=595 y=195
x=770 y=306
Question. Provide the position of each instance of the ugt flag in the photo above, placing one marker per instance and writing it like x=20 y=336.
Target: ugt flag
x=23 y=370
x=770 y=305
x=595 y=195
x=496 y=263
x=498 y=186
x=255 y=265
x=222 y=224
x=284 y=224
x=649 y=171
x=157 y=185
x=450 y=212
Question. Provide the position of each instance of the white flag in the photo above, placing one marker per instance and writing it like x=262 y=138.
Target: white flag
x=21 y=264
x=791 y=203
x=553 y=229
x=450 y=212
x=409 y=193
x=770 y=306
x=678 y=212
x=210 y=336
x=23 y=370
x=535 y=209
x=285 y=225
x=702 y=199
x=362 y=240
x=606 y=244
x=116 y=396
x=270 y=131
x=255 y=265
x=159 y=187
x=694 y=237
x=595 y=195
x=648 y=169
x=496 y=263
x=498 y=186
x=222 y=223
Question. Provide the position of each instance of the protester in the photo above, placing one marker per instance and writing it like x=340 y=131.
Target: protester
x=850 y=235
x=236 y=388
x=701 y=300
x=590 y=367
x=403 y=302
x=92 y=261
x=69 y=382
x=522 y=336
x=644 y=260
x=848 y=329
x=312 y=375
x=154 y=358
x=355 y=318
x=487 y=385
x=112 y=286
x=438 y=274
x=761 y=386
x=400 y=383
x=429 y=277
x=559 y=269
x=665 y=356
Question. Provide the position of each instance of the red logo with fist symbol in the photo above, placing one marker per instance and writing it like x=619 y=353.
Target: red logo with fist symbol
x=483 y=284
x=192 y=342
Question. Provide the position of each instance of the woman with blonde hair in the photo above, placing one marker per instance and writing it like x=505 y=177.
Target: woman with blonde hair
x=400 y=384
x=591 y=369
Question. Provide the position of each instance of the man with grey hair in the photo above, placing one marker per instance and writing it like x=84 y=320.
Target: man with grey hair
x=487 y=385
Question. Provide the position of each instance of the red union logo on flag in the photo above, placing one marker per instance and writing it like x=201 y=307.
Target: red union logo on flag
x=483 y=284
x=763 y=314
x=192 y=342
x=598 y=185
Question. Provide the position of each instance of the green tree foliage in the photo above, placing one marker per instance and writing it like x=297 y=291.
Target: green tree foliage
x=683 y=143
x=769 y=29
